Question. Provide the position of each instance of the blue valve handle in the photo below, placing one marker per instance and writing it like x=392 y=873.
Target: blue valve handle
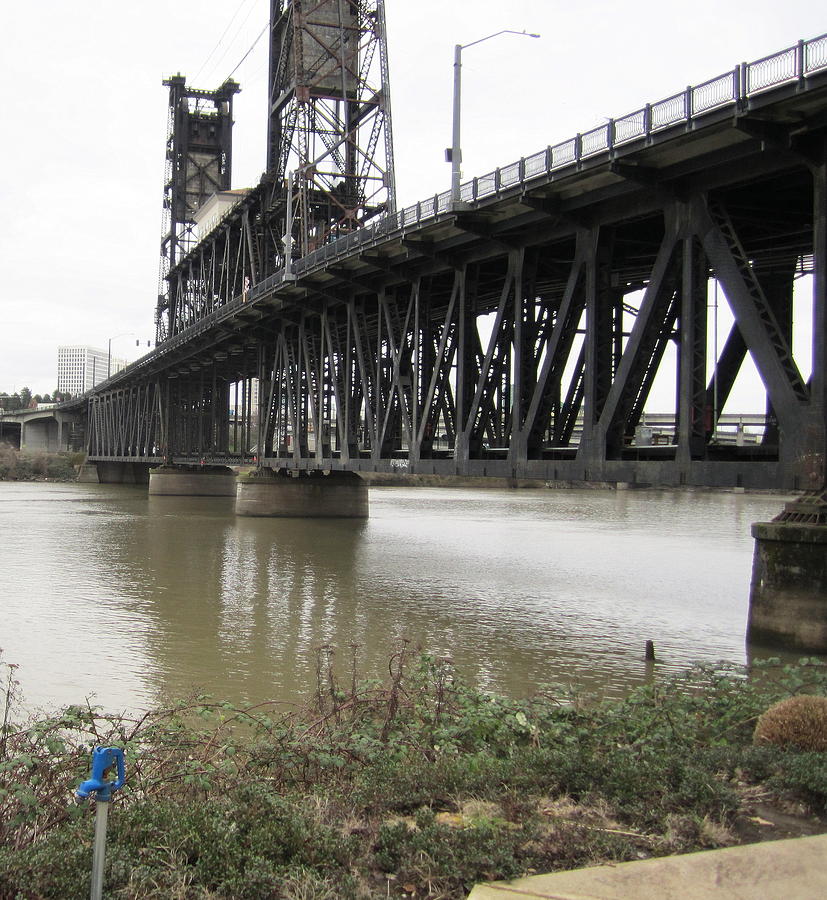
x=103 y=758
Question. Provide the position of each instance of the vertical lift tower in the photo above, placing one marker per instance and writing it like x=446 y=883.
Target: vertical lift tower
x=329 y=144
x=329 y=140
x=198 y=164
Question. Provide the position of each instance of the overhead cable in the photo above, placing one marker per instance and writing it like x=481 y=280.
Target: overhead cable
x=231 y=43
x=218 y=44
x=252 y=46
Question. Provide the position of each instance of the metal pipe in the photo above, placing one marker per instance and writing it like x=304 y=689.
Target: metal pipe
x=288 y=230
x=456 y=149
x=99 y=851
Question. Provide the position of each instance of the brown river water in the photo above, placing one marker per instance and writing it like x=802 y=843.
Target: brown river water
x=122 y=598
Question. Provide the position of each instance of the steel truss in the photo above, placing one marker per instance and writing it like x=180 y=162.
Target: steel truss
x=527 y=355
x=126 y=423
x=329 y=130
x=520 y=333
x=407 y=373
x=329 y=116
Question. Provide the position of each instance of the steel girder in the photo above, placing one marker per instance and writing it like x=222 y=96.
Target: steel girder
x=560 y=369
x=126 y=423
x=522 y=336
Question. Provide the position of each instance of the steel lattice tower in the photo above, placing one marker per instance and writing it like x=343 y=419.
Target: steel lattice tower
x=329 y=116
x=198 y=163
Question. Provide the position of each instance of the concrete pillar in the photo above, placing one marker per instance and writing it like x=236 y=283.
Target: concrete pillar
x=306 y=495
x=192 y=481
x=788 y=594
x=88 y=474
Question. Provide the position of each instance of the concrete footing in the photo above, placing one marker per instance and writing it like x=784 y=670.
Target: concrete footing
x=109 y=472
x=788 y=594
x=192 y=481
x=88 y=474
x=306 y=495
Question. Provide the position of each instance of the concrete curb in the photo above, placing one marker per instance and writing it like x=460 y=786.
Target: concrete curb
x=791 y=869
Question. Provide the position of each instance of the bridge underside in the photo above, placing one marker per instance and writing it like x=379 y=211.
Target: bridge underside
x=521 y=335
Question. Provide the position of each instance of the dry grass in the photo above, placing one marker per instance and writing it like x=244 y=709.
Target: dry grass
x=799 y=722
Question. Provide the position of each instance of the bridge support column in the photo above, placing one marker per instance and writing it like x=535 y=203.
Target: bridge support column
x=110 y=472
x=192 y=481
x=788 y=595
x=305 y=495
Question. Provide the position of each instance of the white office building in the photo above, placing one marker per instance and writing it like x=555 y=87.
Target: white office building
x=79 y=369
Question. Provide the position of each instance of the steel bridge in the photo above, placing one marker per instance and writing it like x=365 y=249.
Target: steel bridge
x=517 y=333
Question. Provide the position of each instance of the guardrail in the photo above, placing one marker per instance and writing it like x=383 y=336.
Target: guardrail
x=731 y=88
x=745 y=80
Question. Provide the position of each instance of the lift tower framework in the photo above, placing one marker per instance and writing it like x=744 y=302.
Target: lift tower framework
x=198 y=164
x=329 y=121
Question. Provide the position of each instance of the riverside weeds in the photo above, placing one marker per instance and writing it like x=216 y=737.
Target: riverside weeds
x=38 y=465
x=418 y=787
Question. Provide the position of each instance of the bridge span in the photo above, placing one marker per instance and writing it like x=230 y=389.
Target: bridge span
x=48 y=427
x=519 y=332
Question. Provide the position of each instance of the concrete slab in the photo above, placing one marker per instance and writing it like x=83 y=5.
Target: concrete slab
x=794 y=869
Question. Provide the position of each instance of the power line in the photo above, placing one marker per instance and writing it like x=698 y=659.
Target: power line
x=218 y=44
x=252 y=46
x=234 y=38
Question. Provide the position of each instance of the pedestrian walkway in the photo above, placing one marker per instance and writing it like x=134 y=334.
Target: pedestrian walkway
x=794 y=869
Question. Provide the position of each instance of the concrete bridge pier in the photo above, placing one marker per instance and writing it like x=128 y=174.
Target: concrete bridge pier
x=192 y=481
x=788 y=594
x=110 y=472
x=302 y=495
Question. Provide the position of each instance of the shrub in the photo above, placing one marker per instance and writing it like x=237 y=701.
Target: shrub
x=799 y=722
x=805 y=774
x=16 y=465
x=419 y=787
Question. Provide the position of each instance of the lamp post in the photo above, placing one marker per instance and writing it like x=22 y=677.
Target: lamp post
x=455 y=152
x=109 y=353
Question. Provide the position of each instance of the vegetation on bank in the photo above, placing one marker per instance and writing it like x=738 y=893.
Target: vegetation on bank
x=25 y=399
x=37 y=465
x=418 y=787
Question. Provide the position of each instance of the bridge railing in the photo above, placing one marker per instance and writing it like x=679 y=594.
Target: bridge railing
x=733 y=87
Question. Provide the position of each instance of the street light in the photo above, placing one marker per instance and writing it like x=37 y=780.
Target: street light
x=454 y=153
x=109 y=354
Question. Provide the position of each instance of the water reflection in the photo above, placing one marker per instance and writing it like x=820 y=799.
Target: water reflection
x=132 y=597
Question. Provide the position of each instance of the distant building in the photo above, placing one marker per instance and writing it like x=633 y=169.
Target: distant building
x=79 y=369
x=238 y=399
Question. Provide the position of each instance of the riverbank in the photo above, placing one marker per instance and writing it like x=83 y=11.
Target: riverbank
x=418 y=787
x=37 y=465
x=41 y=465
x=404 y=480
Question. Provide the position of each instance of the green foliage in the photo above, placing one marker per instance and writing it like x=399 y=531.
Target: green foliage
x=369 y=791
x=805 y=774
x=37 y=465
x=449 y=860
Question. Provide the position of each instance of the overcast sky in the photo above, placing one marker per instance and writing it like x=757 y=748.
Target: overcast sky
x=84 y=123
